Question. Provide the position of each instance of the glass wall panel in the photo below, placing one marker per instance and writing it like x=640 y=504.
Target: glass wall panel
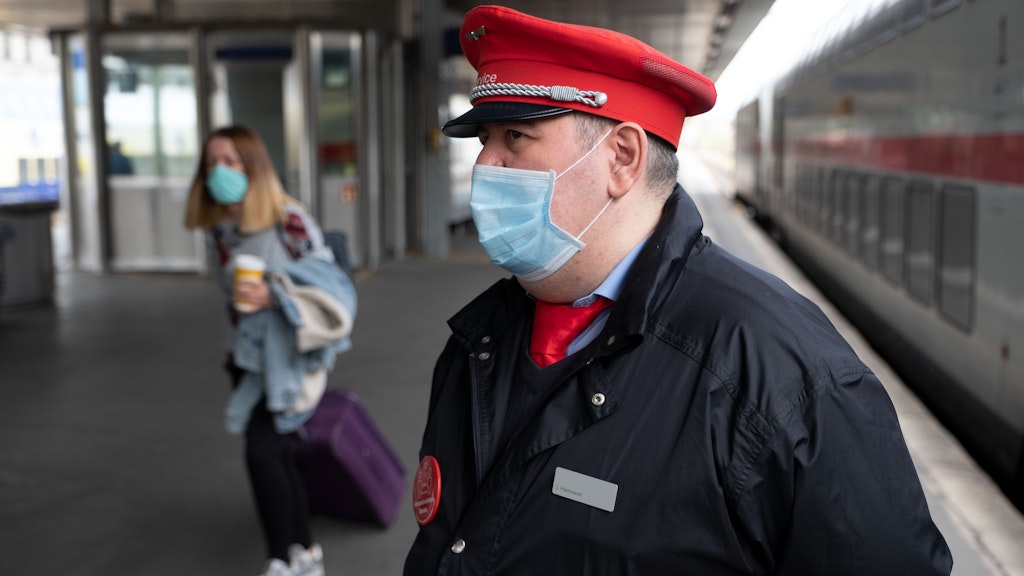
x=152 y=149
x=30 y=114
x=150 y=112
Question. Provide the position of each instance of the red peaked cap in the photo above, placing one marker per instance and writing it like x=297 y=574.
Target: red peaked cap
x=528 y=68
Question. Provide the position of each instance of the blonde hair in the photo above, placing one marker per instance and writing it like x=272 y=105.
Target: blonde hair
x=265 y=199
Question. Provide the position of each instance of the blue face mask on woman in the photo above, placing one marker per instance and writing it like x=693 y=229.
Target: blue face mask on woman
x=512 y=213
x=226 y=185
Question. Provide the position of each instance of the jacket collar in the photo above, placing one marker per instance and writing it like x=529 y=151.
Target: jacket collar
x=495 y=310
x=658 y=265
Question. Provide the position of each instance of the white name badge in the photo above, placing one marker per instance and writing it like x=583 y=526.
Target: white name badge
x=585 y=489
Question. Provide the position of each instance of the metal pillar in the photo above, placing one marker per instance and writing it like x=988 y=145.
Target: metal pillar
x=434 y=182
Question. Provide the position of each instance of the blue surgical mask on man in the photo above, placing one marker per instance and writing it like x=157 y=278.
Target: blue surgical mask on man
x=512 y=213
x=226 y=185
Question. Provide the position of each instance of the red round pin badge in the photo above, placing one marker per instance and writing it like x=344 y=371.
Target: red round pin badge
x=426 y=490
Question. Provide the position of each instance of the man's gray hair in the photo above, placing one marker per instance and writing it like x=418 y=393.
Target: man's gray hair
x=662 y=162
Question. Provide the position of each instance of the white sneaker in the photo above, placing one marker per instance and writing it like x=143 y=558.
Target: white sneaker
x=276 y=567
x=306 y=561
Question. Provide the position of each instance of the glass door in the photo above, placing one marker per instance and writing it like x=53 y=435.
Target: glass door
x=336 y=88
x=152 y=148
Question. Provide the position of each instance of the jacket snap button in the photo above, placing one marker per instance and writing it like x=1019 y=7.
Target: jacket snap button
x=486 y=340
x=597 y=399
x=611 y=340
x=485 y=355
x=458 y=546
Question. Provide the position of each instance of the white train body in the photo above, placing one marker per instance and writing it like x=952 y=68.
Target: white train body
x=892 y=163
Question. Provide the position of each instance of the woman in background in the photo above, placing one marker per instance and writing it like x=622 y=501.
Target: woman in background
x=237 y=198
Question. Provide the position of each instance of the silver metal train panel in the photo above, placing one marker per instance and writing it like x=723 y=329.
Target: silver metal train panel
x=891 y=159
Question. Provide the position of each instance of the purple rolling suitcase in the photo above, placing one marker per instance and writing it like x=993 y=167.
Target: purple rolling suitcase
x=350 y=470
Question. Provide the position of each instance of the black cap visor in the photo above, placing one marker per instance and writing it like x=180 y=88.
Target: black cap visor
x=468 y=125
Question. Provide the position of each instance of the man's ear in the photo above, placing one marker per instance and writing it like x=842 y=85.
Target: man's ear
x=630 y=143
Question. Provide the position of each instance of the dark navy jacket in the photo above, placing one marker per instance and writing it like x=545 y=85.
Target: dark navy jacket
x=742 y=433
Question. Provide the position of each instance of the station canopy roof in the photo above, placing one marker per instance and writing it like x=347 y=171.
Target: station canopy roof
x=702 y=34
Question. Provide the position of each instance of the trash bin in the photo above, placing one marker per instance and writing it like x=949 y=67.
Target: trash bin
x=26 y=258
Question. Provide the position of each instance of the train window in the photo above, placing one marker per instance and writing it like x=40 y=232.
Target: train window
x=798 y=191
x=803 y=200
x=837 y=203
x=892 y=229
x=807 y=209
x=854 y=196
x=940 y=7
x=792 y=194
x=818 y=200
x=920 y=241
x=912 y=14
x=796 y=210
x=824 y=203
x=956 y=255
x=870 y=225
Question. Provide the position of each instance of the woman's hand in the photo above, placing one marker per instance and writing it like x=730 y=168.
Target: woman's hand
x=256 y=296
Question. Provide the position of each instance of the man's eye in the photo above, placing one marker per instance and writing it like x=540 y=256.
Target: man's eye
x=513 y=135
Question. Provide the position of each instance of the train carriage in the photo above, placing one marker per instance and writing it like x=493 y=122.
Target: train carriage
x=890 y=160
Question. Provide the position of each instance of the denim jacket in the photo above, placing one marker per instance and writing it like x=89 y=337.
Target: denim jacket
x=265 y=346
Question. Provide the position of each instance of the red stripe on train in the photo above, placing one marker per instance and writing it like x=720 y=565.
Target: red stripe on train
x=992 y=157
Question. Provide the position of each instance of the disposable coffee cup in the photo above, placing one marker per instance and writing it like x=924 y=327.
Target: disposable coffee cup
x=248 y=268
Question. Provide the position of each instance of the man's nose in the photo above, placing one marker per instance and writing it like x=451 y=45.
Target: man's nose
x=491 y=155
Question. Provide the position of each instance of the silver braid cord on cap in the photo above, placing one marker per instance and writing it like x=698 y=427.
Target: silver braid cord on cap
x=556 y=93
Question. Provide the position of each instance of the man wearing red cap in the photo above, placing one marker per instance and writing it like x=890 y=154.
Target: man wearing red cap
x=635 y=400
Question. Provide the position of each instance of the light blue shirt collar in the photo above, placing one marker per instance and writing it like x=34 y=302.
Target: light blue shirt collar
x=612 y=285
x=610 y=289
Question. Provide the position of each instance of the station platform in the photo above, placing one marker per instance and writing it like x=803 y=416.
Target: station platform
x=114 y=459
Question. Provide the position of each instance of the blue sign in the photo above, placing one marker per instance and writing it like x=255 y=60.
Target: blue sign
x=30 y=194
